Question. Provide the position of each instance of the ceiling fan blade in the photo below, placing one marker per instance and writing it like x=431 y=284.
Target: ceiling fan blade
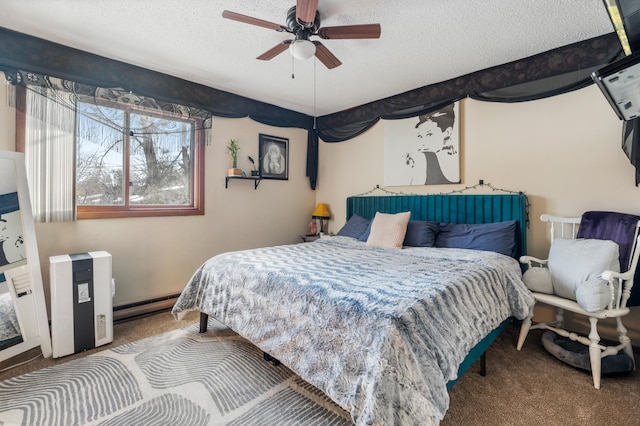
x=253 y=21
x=325 y=56
x=350 y=31
x=306 y=11
x=275 y=51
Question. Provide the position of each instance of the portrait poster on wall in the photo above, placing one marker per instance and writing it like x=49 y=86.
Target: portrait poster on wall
x=423 y=150
x=274 y=157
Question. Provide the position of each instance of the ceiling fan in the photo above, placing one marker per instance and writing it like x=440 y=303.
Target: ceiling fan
x=303 y=21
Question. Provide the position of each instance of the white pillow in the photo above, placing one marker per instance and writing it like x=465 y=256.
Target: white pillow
x=538 y=279
x=388 y=230
x=593 y=295
x=574 y=262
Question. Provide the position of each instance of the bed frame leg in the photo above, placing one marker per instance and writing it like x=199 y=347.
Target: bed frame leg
x=271 y=359
x=483 y=364
x=204 y=319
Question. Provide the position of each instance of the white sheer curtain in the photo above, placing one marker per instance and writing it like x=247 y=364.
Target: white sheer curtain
x=50 y=154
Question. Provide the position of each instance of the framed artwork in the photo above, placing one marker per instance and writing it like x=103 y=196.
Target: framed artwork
x=12 y=249
x=423 y=150
x=274 y=157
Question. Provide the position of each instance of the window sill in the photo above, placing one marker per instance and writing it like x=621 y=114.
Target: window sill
x=106 y=213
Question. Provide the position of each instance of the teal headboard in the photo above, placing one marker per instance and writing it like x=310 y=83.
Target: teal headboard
x=484 y=208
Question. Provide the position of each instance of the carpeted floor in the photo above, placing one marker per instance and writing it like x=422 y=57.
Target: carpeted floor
x=529 y=387
x=179 y=377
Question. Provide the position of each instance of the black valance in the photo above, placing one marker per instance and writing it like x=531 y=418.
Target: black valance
x=23 y=52
x=547 y=74
x=68 y=94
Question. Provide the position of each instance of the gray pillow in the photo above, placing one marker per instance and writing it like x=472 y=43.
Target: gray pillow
x=538 y=279
x=593 y=295
x=580 y=262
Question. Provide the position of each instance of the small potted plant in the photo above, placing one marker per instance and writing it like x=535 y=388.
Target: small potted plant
x=255 y=171
x=232 y=149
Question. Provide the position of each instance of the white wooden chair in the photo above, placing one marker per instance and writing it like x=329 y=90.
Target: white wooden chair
x=620 y=284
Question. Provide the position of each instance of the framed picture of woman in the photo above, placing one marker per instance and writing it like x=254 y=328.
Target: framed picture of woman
x=274 y=157
x=423 y=150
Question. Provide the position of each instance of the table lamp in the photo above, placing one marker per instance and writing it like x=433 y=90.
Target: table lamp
x=321 y=212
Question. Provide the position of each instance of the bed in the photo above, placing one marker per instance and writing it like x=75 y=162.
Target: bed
x=383 y=333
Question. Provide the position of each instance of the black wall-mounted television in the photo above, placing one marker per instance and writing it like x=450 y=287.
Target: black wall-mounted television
x=620 y=83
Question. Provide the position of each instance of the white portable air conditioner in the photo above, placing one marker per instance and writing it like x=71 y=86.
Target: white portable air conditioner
x=82 y=292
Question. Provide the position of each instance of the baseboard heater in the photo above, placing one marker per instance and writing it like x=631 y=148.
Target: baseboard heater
x=82 y=290
x=143 y=307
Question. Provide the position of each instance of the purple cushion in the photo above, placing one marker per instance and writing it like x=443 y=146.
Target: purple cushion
x=617 y=227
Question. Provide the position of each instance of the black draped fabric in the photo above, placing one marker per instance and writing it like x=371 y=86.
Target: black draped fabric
x=92 y=94
x=20 y=52
x=631 y=147
x=23 y=52
x=312 y=157
x=631 y=144
x=547 y=74
x=634 y=299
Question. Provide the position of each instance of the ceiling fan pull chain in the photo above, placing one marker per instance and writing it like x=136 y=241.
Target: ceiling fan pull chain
x=293 y=68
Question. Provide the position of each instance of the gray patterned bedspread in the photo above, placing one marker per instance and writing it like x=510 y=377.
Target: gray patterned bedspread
x=379 y=331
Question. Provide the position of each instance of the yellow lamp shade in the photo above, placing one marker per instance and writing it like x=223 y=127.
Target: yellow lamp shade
x=321 y=211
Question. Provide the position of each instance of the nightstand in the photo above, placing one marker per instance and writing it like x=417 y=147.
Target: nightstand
x=309 y=238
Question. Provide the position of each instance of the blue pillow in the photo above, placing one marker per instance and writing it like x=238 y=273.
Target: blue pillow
x=365 y=236
x=421 y=233
x=499 y=236
x=355 y=227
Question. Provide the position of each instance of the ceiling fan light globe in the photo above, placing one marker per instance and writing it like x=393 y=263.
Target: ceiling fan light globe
x=302 y=49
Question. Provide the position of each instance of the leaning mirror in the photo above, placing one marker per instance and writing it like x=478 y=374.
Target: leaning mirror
x=23 y=315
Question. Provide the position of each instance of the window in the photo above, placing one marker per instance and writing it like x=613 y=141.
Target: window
x=134 y=162
x=124 y=160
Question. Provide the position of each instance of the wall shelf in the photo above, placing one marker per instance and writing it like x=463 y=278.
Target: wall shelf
x=256 y=180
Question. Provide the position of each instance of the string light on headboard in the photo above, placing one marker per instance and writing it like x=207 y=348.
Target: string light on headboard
x=493 y=188
x=379 y=188
x=480 y=183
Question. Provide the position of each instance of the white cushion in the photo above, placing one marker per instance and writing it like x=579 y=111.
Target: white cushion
x=388 y=230
x=574 y=262
x=538 y=279
x=593 y=295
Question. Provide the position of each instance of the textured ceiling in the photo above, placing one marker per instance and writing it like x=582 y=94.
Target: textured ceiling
x=422 y=41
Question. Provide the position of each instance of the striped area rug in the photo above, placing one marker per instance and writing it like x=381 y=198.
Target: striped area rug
x=176 y=378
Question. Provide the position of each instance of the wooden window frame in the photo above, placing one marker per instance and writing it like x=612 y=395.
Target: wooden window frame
x=105 y=212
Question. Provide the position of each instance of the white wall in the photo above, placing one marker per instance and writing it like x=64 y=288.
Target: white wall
x=155 y=257
x=563 y=152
